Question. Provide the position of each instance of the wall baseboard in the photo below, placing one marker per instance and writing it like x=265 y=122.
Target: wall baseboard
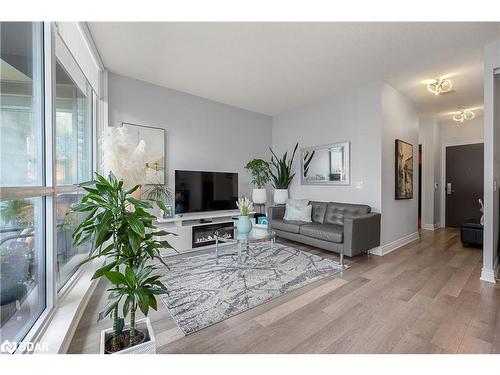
x=391 y=246
x=490 y=275
x=431 y=226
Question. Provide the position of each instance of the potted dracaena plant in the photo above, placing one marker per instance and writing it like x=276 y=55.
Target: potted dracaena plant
x=122 y=231
x=281 y=175
x=259 y=169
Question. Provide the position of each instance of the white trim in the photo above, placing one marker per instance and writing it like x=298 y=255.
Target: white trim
x=394 y=245
x=90 y=42
x=443 y=173
x=82 y=49
x=488 y=276
x=59 y=331
x=430 y=226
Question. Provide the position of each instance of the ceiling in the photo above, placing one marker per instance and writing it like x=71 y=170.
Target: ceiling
x=275 y=67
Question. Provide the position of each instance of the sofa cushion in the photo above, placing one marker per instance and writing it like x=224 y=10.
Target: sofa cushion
x=290 y=226
x=318 y=211
x=335 y=212
x=325 y=232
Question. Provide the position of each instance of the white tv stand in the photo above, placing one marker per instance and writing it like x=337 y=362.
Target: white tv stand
x=183 y=225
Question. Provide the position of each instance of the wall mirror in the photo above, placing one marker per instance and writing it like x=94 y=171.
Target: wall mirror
x=326 y=164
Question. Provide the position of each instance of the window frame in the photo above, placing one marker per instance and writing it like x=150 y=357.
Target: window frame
x=48 y=188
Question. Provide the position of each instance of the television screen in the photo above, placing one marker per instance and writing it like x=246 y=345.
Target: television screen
x=197 y=191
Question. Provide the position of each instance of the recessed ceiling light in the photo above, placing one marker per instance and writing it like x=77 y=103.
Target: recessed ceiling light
x=463 y=115
x=439 y=86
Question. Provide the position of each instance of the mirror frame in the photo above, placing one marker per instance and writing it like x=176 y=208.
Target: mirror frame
x=347 y=147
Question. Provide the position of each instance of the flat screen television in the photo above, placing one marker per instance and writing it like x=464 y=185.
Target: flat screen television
x=197 y=191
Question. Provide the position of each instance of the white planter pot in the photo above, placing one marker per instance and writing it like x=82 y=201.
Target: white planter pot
x=147 y=347
x=259 y=196
x=280 y=196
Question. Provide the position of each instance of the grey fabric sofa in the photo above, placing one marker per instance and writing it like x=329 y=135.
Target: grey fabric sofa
x=347 y=229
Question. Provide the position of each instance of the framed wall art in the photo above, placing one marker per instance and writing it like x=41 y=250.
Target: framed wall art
x=404 y=170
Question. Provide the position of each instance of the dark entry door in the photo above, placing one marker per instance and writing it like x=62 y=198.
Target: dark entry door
x=464 y=183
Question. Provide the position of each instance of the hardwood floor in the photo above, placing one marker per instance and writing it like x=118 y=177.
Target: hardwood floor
x=423 y=298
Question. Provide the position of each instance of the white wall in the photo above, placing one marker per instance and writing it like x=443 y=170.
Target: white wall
x=399 y=121
x=371 y=118
x=351 y=116
x=491 y=160
x=201 y=134
x=452 y=132
x=434 y=137
x=428 y=137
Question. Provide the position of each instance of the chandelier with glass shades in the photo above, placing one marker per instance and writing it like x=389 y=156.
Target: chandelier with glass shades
x=439 y=86
x=463 y=115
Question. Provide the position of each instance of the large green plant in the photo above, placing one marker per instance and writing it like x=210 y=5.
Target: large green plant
x=121 y=230
x=281 y=169
x=259 y=169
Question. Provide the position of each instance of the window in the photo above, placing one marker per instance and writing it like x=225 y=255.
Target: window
x=73 y=129
x=22 y=264
x=68 y=256
x=39 y=171
x=21 y=104
x=73 y=156
x=22 y=220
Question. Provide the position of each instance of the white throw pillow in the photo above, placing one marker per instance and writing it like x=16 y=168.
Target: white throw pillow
x=298 y=203
x=298 y=214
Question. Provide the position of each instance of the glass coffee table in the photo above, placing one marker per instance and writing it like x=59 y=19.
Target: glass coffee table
x=244 y=240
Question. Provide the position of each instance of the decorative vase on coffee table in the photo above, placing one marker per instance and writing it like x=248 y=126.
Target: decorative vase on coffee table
x=244 y=225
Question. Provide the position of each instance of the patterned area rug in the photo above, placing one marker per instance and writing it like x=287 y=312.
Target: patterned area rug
x=204 y=291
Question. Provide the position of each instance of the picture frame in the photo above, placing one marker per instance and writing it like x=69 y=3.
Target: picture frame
x=156 y=141
x=403 y=170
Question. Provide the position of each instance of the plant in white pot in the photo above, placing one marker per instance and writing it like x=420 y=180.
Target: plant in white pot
x=121 y=230
x=281 y=175
x=259 y=169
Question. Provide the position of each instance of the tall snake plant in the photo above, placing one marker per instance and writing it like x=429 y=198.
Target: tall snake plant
x=281 y=169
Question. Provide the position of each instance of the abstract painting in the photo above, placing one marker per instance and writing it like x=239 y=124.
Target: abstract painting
x=404 y=170
x=155 y=150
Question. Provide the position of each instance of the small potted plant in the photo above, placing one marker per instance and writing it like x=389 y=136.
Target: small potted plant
x=281 y=175
x=245 y=206
x=160 y=192
x=259 y=169
x=121 y=230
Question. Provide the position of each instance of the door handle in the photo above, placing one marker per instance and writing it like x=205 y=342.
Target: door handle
x=449 y=190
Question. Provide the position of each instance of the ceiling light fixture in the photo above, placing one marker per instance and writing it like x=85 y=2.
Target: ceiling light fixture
x=439 y=86
x=463 y=115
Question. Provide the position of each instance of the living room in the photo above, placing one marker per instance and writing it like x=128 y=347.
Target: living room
x=217 y=187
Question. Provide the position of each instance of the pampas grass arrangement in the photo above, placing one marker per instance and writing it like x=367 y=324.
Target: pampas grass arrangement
x=123 y=157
